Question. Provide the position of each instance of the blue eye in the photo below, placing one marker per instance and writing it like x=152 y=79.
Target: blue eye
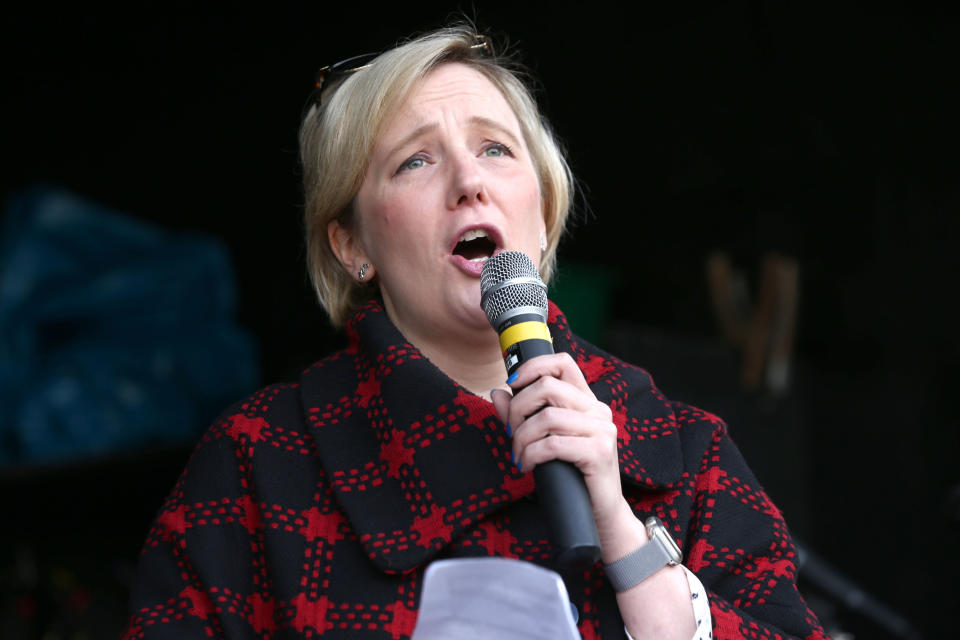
x=497 y=150
x=416 y=161
x=413 y=163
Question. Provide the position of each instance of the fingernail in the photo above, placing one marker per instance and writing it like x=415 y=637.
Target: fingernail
x=491 y=394
x=519 y=465
x=513 y=376
x=509 y=430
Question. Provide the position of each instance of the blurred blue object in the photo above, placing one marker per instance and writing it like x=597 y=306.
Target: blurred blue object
x=114 y=334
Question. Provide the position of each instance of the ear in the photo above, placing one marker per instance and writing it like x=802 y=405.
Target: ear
x=346 y=247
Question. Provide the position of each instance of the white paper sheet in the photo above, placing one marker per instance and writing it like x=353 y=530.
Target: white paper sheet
x=493 y=599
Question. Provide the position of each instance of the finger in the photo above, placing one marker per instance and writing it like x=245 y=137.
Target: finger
x=595 y=456
x=558 y=365
x=592 y=455
x=553 y=421
x=551 y=392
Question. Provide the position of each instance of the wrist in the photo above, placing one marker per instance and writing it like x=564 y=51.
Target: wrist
x=621 y=533
x=659 y=552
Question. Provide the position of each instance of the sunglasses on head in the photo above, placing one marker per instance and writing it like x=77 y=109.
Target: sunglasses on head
x=328 y=76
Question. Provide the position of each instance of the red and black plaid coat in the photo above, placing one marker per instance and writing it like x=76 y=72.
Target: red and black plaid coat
x=312 y=509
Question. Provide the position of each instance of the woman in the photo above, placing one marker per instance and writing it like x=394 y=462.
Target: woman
x=313 y=508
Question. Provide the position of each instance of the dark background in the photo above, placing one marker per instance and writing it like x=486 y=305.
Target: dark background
x=827 y=133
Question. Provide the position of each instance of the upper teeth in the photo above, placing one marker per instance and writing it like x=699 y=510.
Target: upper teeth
x=473 y=234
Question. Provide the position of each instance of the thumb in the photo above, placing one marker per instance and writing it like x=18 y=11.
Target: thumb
x=501 y=402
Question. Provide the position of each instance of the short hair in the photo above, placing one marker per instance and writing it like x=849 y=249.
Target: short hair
x=338 y=136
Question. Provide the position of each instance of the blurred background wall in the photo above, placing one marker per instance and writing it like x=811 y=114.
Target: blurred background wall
x=794 y=166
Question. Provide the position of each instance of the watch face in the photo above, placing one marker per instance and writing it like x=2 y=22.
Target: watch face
x=658 y=532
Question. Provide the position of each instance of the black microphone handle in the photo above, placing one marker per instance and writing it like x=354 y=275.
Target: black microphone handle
x=569 y=513
x=562 y=491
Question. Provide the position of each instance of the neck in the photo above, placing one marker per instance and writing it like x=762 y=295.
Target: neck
x=470 y=356
x=475 y=364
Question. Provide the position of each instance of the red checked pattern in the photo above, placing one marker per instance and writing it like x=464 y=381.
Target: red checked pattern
x=312 y=509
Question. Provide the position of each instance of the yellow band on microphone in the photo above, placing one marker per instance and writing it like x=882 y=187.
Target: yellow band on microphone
x=524 y=331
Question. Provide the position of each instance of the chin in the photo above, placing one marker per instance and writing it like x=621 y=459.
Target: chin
x=471 y=315
x=477 y=318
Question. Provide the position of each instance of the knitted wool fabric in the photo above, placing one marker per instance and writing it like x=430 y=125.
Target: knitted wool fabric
x=312 y=509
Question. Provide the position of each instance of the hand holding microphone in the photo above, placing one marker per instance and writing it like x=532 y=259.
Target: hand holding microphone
x=560 y=429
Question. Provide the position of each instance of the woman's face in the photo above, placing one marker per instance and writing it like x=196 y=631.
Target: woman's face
x=450 y=182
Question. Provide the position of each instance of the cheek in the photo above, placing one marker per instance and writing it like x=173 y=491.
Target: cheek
x=383 y=221
x=533 y=203
x=398 y=243
x=530 y=190
x=393 y=208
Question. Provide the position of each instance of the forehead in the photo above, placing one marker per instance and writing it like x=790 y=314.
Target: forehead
x=454 y=89
x=451 y=80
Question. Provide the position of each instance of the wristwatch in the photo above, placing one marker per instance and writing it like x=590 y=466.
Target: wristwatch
x=635 y=567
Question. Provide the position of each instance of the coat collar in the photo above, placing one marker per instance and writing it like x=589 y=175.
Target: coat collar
x=414 y=459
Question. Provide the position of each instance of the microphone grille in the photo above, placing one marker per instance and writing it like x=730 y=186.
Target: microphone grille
x=510 y=281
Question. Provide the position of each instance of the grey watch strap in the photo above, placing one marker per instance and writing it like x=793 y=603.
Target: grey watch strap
x=639 y=565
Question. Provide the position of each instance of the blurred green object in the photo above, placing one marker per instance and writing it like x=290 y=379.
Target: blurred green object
x=582 y=291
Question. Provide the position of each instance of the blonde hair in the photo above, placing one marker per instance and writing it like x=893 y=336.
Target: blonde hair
x=338 y=137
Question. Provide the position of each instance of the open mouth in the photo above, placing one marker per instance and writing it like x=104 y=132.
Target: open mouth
x=475 y=245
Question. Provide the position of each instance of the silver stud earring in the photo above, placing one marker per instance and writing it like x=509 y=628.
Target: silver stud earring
x=363 y=271
x=543 y=242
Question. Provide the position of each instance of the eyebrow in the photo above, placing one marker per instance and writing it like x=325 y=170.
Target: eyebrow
x=493 y=124
x=474 y=120
x=413 y=135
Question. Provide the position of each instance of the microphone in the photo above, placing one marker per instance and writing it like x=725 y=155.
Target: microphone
x=514 y=298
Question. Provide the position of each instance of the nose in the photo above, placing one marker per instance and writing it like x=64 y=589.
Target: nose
x=467 y=184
